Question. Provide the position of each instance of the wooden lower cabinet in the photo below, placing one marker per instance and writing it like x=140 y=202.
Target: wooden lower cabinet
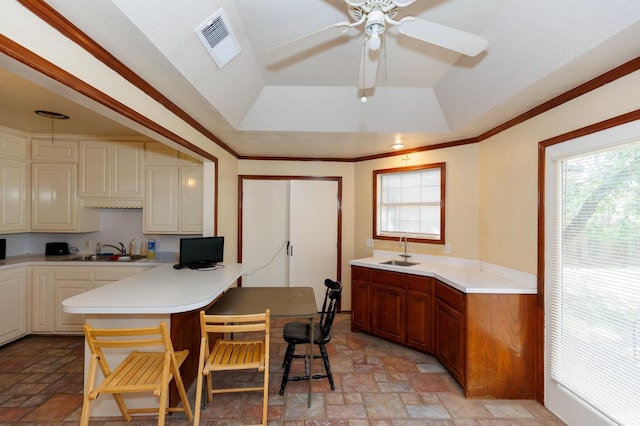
x=360 y=283
x=450 y=345
x=486 y=341
x=419 y=306
x=387 y=306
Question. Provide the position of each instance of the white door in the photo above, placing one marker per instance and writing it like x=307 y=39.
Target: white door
x=265 y=232
x=290 y=233
x=314 y=234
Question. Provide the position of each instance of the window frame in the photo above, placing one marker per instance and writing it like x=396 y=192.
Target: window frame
x=378 y=235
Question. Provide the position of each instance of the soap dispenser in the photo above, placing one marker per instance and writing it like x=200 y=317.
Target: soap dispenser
x=132 y=247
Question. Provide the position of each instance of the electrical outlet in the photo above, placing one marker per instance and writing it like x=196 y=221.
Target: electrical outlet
x=369 y=242
x=447 y=248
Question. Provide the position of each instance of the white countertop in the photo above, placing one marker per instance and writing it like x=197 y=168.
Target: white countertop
x=466 y=276
x=159 y=290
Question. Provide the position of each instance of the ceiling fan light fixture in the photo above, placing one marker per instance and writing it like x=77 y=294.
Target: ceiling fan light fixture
x=374 y=28
x=374 y=42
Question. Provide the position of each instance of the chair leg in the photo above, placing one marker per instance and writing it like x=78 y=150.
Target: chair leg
x=199 y=390
x=288 y=356
x=327 y=366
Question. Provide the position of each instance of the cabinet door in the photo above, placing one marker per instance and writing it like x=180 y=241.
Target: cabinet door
x=64 y=289
x=161 y=202
x=360 y=283
x=126 y=170
x=190 y=216
x=13 y=305
x=60 y=151
x=42 y=308
x=419 y=312
x=450 y=330
x=95 y=172
x=54 y=188
x=388 y=314
x=13 y=196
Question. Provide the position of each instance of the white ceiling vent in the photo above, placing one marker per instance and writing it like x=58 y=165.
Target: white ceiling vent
x=216 y=35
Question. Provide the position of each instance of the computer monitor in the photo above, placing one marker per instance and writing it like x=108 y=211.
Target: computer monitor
x=201 y=252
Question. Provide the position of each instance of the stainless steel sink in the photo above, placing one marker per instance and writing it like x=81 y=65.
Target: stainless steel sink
x=398 y=263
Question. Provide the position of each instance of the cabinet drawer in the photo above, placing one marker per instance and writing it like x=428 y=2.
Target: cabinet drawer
x=394 y=279
x=419 y=283
x=359 y=273
x=73 y=274
x=451 y=296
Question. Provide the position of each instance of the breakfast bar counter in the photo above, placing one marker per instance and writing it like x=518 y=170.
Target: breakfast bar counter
x=161 y=293
x=159 y=290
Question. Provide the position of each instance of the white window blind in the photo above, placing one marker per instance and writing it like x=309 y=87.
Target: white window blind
x=409 y=202
x=594 y=268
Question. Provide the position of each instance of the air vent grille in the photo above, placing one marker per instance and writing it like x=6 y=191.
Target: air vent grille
x=217 y=37
x=215 y=32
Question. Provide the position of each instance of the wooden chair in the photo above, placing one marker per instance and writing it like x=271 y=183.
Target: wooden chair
x=141 y=371
x=242 y=353
x=299 y=333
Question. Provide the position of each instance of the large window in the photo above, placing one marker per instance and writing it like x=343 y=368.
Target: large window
x=410 y=201
x=592 y=281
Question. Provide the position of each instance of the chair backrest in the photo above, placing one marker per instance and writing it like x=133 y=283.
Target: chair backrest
x=234 y=323
x=113 y=338
x=330 y=307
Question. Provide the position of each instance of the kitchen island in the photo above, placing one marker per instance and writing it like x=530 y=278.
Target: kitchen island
x=158 y=294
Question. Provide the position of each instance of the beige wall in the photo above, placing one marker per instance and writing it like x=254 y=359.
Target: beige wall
x=509 y=171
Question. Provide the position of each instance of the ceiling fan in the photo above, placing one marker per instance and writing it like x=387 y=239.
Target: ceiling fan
x=376 y=15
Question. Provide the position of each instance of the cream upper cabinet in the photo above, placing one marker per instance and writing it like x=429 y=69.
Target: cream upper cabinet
x=173 y=201
x=14 y=195
x=60 y=151
x=95 y=169
x=14 y=181
x=161 y=202
x=54 y=202
x=191 y=210
x=174 y=192
x=111 y=169
x=13 y=144
x=111 y=174
x=13 y=304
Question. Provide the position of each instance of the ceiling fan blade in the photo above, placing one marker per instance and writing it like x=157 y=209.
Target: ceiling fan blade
x=368 y=67
x=310 y=40
x=443 y=36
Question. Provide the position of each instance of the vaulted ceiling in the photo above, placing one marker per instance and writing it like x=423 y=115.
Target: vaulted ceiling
x=302 y=100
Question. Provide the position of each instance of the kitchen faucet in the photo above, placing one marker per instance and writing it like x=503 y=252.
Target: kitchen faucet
x=122 y=249
x=405 y=255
